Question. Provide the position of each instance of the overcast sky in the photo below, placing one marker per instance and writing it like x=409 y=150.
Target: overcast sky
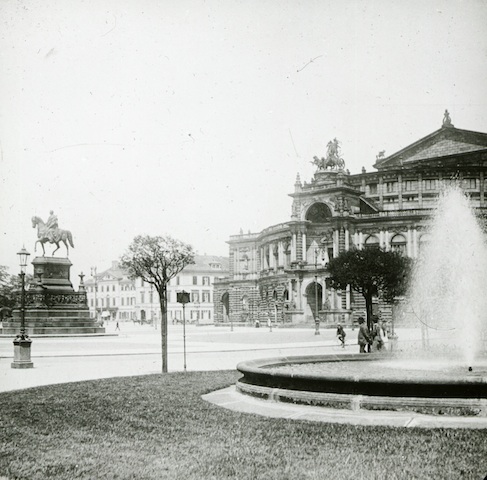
x=192 y=118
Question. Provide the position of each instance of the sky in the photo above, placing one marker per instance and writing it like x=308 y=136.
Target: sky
x=193 y=118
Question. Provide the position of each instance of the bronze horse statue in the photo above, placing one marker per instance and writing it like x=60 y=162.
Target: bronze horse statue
x=55 y=236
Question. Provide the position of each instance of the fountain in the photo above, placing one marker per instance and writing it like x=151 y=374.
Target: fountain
x=447 y=296
x=446 y=303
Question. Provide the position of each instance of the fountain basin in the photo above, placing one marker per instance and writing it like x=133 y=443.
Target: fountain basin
x=371 y=381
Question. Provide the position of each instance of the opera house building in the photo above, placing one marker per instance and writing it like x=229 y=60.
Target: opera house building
x=279 y=275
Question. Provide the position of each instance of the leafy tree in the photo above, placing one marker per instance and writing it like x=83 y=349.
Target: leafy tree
x=156 y=260
x=8 y=286
x=9 y=289
x=371 y=271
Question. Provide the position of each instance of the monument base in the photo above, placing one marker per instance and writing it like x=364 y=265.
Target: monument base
x=52 y=306
x=22 y=353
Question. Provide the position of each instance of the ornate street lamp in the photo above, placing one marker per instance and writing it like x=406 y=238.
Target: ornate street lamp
x=22 y=342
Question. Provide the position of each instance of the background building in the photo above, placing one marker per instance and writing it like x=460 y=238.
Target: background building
x=280 y=273
x=113 y=296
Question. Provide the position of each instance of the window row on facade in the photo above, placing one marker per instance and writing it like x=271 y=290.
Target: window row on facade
x=427 y=184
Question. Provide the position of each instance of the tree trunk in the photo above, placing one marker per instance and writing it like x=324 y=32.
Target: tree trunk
x=163 y=304
x=368 y=309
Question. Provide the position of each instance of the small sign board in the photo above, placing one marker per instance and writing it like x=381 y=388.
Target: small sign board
x=182 y=297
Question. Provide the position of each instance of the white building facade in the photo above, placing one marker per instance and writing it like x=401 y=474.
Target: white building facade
x=113 y=296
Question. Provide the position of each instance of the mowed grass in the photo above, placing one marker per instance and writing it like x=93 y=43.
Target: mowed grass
x=158 y=427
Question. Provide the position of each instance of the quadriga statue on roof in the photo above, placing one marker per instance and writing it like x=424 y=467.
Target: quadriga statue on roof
x=333 y=160
x=50 y=232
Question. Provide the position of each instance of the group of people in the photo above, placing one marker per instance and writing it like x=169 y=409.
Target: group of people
x=373 y=339
x=369 y=340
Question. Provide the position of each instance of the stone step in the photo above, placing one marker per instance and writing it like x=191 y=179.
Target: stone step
x=54 y=330
x=54 y=321
x=53 y=312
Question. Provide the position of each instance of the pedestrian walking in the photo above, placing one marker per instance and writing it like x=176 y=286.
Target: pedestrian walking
x=117 y=327
x=363 y=335
x=341 y=335
x=377 y=336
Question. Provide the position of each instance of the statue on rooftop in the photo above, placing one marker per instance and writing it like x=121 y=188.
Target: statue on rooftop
x=447 y=119
x=332 y=159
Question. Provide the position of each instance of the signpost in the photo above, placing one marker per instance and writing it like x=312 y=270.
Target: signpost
x=183 y=298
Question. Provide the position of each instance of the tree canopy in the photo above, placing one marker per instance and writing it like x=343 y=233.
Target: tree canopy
x=9 y=284
x=371 y=271
x=156 y=260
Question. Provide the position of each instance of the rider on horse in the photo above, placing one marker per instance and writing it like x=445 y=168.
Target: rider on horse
x=52 y=227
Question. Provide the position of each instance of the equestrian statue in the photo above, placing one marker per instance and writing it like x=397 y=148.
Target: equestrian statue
x=50 y=232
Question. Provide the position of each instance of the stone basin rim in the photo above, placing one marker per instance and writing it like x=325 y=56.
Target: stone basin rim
x=264 y=367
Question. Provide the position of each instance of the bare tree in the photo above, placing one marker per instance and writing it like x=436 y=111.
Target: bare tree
x=156 y=260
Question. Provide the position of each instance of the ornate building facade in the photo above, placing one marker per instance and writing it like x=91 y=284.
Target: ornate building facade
x=280 y=275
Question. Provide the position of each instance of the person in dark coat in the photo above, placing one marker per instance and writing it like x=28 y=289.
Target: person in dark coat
x=363 y=335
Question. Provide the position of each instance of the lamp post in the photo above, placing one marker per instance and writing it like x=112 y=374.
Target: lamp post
x=183 y=298
x=317 y=316
x=22 y=342
x=95 y=279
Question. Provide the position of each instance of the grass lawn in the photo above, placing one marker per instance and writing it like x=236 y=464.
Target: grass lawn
x=158 y=427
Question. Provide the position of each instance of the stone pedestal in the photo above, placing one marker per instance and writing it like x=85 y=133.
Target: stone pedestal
x=52 y=306
x=22 y=353
x=54 y=274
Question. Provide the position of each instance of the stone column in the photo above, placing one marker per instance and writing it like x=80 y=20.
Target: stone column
x=420 y=190
x=356 y=239
x=415 y=243
x=300 y=299
x=336 y=245
x=280 y=254
x=304 y=246
x=399 y=191
x=481 y=187
x=409 y=250
x=299 y=247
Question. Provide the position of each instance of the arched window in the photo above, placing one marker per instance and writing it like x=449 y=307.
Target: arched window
x=398 y=243
x=318 y=213
x=371 y=242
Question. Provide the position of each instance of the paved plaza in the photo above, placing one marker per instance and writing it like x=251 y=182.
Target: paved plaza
x=136 y=350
